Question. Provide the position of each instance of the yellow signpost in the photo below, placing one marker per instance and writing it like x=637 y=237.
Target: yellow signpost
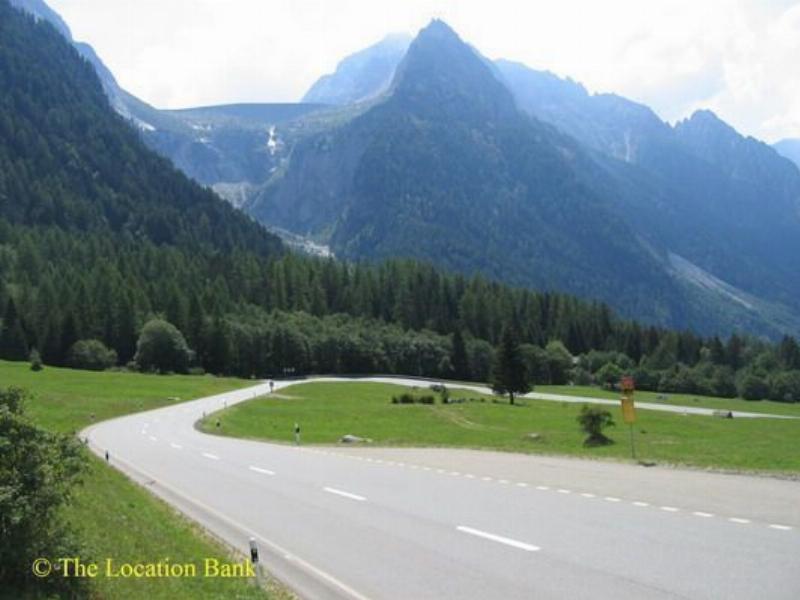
x=628 y=386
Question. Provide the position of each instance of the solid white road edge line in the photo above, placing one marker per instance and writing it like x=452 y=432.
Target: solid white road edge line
x=331 y=490
x=262 y=471
x=498 y=538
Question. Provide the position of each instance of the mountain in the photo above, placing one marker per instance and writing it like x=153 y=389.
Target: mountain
x=726 y=204
x=606 y=123
x=447 y=168
x=230 y=148
x=499 y=169
x=789 y=148
x=709 y=215
x=99 y=236
x=360 y=76
x=69 y=161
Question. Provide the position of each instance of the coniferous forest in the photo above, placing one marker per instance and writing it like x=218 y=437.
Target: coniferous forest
x=98 y=236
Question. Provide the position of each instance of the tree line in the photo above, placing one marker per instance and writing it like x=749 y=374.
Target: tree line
x=247 y=315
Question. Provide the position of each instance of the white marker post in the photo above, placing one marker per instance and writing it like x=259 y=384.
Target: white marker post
x=296 y=434
x=253 y=551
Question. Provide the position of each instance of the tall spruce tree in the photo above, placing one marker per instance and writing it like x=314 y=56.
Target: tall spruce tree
x=13 y=343
x=509 y=375
x=458 y=357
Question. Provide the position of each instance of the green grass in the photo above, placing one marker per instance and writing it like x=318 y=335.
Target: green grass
x=328 y=411
x=760 y=406
x=112 y=516
x=116 y=518
x=64 y=399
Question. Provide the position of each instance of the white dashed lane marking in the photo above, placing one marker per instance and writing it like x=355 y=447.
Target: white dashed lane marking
x=176 y=446
x=499 y=539
x=262 y=471
x=638 y=503
x=344 y=494
x=211 y=456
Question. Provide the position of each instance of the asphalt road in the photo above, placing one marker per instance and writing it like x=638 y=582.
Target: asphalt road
x=413 y=524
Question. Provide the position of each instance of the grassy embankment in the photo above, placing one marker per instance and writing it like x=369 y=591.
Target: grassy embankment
x=328 y=411
x=114 y=517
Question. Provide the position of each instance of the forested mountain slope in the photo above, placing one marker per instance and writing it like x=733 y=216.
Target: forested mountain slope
x=81 y=259
x=446 y=167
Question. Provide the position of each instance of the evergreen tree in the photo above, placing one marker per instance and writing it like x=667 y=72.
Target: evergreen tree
x=509 y=375
x=458 y=357
x=789 y=353
x=13 y=343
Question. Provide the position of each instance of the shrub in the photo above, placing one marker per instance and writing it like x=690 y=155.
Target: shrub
x=592 y=421
x=407 y=398
x=91 y=355
x=609 y=375
x=39 y=471
x=752 y=387
x=36 y=360
x=785 y=386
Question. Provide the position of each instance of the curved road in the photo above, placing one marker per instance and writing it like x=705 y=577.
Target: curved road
x=412 y=524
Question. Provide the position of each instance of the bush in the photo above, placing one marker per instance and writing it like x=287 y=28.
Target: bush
x=785 y=386
x=609 y=375
x=753 y=387
x=592 y=421
x=36 y=360
x=162 y=347
x=39 y=470
x=407 y=398
x=91 y=355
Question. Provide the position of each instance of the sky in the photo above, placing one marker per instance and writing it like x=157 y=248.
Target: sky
x=736 y=57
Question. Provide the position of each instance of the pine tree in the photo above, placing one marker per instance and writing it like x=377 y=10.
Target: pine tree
x=13 y=344
x=509 y=375
x=458 y=357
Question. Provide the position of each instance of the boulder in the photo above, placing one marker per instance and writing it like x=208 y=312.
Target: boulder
x=353 y=439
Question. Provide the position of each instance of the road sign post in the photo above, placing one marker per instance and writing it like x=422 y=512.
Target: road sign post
x=627 y=387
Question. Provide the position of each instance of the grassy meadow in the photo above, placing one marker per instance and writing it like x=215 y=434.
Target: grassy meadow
x=754 y=406
x=114 y=517
x=327 y=411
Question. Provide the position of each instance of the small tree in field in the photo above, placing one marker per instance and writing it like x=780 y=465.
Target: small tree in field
x=161 y=347
x=510 y=375
x=36 y=360
x=592 y=421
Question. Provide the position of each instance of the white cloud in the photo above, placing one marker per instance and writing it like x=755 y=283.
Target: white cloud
x=734 y=56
